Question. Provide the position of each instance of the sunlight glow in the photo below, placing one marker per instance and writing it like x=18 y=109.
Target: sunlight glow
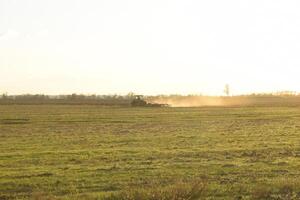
x=149 y=47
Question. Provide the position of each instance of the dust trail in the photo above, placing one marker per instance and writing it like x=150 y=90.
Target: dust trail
x=190 y=101
x=247 y=100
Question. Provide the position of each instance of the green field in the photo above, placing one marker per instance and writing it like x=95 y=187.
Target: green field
x=94 y=152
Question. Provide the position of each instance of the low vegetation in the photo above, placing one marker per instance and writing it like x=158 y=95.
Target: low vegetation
x=110 y=153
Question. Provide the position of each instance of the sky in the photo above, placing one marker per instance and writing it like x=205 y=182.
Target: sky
x=149 y=47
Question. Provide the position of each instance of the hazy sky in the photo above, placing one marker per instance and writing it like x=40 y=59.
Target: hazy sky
x=149 y=47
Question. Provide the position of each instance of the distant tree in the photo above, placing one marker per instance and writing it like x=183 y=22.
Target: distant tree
x=227 y=90
x=4 y=95
x=130 y=94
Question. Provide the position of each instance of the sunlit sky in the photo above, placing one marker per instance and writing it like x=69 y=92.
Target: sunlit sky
x=149 y=46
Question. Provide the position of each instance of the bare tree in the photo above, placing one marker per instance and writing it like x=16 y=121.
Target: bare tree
x=227 y=90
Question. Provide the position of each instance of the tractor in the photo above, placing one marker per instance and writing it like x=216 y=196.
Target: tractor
x=138 y=101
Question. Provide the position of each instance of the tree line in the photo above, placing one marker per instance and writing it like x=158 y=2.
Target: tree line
x=66 y=99
x=282 y=98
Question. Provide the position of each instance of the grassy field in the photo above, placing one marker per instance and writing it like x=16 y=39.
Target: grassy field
x=92 y=152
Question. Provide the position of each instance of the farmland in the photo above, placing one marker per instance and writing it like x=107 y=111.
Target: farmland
x=97 y=152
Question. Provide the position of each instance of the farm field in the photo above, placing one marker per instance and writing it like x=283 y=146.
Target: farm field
x=95 y=152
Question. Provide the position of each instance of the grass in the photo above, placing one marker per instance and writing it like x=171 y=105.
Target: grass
x=94 y=152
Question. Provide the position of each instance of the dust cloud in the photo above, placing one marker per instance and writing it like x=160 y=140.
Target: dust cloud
x=190 y=102
x=202 y=101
